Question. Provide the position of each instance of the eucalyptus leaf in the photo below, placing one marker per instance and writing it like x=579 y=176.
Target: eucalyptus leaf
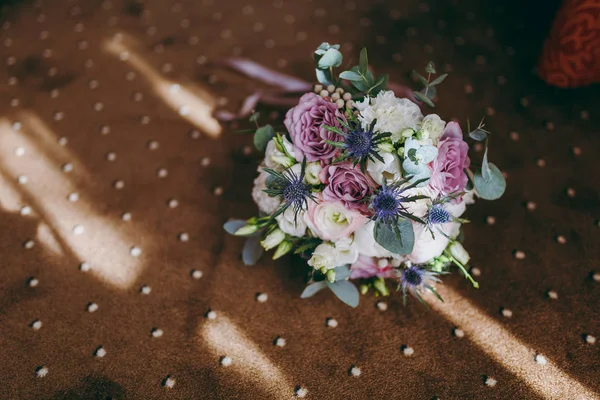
x=478 y=135
x=420 y=78
x=345 y=291
x=254 y=117
x=351 y=76
x=232 y=226
x=342 y=272
x=262 y=137
x=399 y=239
x=363 y=61
x=420 y=96
x=485 y=166
x=493 y=187
x=438 y=80
x=430 y=68
x=324 y=76
x=312 y=289
x=252 y=250
x=331 y=58
x=370 y=78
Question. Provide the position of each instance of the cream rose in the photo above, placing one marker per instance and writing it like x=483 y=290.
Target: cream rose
x=365 y=244
x=388 y=170
x=323 y=257
x=265 y=203
x=290 y=224
x=434 y=126
x=331 y=220
x=276 y=159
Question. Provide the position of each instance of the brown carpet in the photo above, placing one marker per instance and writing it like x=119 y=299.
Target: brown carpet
x=101 y=164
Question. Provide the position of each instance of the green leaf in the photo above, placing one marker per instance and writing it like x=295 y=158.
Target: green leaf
x=254 y=117
x=345 y=291
x=399 y=239
x=485 y=166
x=262 y=137
x=381 y=84
x=232 y=226
x=252 y=250
x=351 y=76
x=342 y=272
x=360 y=85
x=438 y=80
x=370 y=78
x=324 y=76
x=420 y=96
x=313 y=289
x=478 y=135
x=491 y=188
x=331 y=58
x=430 y=68
x=363 y=61
x=420 y=78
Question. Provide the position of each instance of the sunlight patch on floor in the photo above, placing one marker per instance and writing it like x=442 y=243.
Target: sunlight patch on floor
x=73 y=228
x=514 y=355
x=191 y=102
x=225 y=339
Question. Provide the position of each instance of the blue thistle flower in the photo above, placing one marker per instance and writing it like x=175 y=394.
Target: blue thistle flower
x=359 y=145
x=437 y=214
x=388 y=204
x=292 y=189
x=415 y=280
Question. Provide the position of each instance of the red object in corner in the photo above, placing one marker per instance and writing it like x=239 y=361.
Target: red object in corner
x=571 y=55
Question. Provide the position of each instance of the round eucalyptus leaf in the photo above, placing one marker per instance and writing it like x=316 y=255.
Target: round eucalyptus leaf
x=491 y=188
x=262 y=137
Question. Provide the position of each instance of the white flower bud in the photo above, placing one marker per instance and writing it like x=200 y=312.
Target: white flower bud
x=318 y=88
x=347 y=96
x=312 y=173
x=335 y=96
x=340 y=103
x=246 y=230
x=386 y=146
x=273 y=239
x=282 y=249
x=459 y=253
x=331 y=88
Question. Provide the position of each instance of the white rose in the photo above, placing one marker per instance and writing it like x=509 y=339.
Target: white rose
x=392 y=114
x=459 y=253
x=434 y=126
x=266 y=204
x=345 y=251
x=323 y=257
x=277 y=160
x=426 y=246
x=273 y=239
x=365 y=244
x=311 y=174
x=290 y=224
x=332 y=221
x=389 y=169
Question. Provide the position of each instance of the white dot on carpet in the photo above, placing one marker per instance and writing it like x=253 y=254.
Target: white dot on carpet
x=355 y=371
x=33 y=282
x=408 y=351
x=169 y=382
x=78 y=229
x=100 y=352
x=589 y=339
x=73 y=197
x=157 y=332
x=145 y=289
x=226 y=361
x=135 y=251
x=91 y=307
x=25 y=210
x=300 y=392
x=540 y=359
x=41 y=371
x=85 y=267
x=506 y=313
x=262 y=297
x=212 y=315
x=196 y=274
x=29 y=244
x=280 y=342
x=331 y=323
x=36 y=325
x=459 y=333
x=491 y=382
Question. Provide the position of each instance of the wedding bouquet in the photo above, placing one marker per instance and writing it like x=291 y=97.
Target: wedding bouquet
x=364 y=186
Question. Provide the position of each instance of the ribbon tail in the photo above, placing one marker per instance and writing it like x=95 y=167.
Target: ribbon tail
x=266 y=75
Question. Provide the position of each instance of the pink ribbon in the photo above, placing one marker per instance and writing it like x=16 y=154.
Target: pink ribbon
x=284 y=86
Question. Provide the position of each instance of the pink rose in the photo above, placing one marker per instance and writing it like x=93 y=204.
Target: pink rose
x=332 y=220
x=306 y=122
x=448 y=175
x=366 y=267
x=346 y=183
